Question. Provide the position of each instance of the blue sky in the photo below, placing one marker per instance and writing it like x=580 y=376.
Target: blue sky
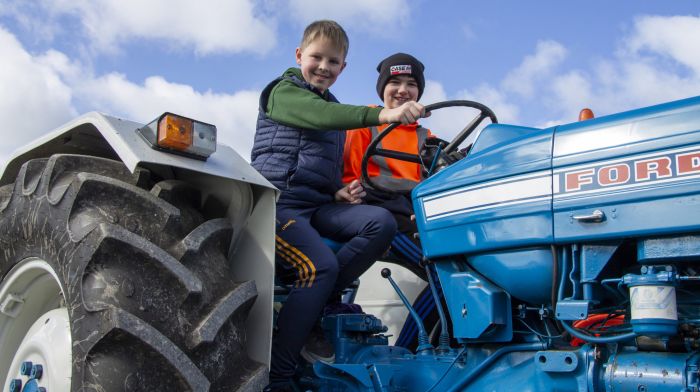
x=535 y=63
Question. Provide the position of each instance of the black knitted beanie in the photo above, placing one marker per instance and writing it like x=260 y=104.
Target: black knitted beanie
x=400 y=64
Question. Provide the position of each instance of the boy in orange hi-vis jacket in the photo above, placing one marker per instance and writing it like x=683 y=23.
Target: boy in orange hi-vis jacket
x=400 y=80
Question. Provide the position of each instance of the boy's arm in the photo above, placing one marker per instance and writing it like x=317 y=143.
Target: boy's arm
x=297 y=107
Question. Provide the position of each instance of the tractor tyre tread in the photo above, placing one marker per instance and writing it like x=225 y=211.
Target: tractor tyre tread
x=145 y=278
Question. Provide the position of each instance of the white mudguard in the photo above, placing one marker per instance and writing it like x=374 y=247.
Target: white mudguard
x=225 y=175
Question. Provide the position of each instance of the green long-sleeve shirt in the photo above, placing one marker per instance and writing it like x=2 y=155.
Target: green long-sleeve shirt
x=300 y=108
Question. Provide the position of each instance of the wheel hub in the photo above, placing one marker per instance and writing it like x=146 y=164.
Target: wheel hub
x=34 y=372
x=34 y=330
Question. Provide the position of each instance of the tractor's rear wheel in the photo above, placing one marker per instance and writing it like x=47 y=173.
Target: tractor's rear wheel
x=114 y=282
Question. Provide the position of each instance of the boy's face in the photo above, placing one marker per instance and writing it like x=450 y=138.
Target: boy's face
x=321 y=62
x=399 y=90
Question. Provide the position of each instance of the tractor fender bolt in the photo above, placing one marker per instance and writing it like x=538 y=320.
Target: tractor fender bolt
x=15 y=385
x=37 y=372
x=26 y=368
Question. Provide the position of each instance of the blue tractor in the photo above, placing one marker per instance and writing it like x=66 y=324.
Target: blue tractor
x=141 y=257
x=567 y=258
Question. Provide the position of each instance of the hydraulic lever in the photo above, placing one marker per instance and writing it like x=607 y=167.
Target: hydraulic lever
x=444 y=346
x=424 y=346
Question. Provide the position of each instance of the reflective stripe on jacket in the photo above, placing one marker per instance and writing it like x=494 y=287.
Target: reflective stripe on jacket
x=388 y=172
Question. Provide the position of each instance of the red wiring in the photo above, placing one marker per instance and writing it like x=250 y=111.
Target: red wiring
x=600 y=321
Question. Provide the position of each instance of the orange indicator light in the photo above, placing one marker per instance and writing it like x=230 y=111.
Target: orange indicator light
x=175 y=132
x=585 y=114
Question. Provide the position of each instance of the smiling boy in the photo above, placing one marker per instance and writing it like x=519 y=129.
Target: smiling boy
x=400 y=80
x=298 y=147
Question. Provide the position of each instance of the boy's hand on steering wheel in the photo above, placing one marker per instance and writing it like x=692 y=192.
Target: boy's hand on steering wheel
x=352 y=193
x=408 y=113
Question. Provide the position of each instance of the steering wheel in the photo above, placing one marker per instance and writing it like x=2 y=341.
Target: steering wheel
x=372 y=150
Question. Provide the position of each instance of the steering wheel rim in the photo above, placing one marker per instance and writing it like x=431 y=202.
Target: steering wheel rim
x=372 y=150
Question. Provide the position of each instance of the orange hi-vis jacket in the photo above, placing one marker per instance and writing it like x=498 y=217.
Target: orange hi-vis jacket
x=388 y=172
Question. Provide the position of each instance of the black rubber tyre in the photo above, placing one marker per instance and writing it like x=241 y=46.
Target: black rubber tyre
x=150 y=297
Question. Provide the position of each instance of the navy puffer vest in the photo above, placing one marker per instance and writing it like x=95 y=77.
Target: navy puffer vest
x=306 y=165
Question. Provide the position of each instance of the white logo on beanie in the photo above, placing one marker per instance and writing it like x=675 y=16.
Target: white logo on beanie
x=400 y=69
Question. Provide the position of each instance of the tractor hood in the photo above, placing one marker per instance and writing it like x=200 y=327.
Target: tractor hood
x=525 y=187
x=487 y=199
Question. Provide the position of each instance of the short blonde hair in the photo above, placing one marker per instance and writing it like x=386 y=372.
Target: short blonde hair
x=328 y=29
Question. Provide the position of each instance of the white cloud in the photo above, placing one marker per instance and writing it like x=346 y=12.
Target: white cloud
x=535 y=68
x=206 y=26
x=529 y=82
x=440 y=121
x=41 y=92
x=370 y=15
x=656 y=62
x=433 y=92
x=674 y=37
x=505 y=110
x=636 y=84
x=572 y=90
x=448 y=122
x=33 y=98
x=26 y=14
x=234 y=115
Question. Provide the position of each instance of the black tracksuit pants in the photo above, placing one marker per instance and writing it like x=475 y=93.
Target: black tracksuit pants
x=315 y=271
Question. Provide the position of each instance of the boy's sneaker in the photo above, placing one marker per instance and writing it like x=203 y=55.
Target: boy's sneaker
x=342 y=308
x=317 y=347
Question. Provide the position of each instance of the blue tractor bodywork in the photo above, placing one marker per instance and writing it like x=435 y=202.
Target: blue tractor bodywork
x=567 y=257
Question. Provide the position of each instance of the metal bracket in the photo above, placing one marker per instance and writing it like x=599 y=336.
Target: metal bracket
x=570 y=309
x=11 y=305
x=556 y=361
